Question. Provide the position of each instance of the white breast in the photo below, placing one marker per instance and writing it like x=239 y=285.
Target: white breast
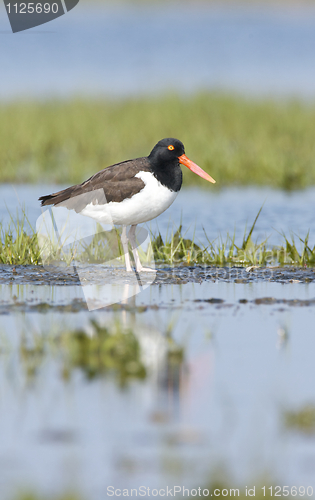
x=150 y=202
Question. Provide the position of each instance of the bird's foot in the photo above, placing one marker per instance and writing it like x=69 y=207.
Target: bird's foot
x=145 y=270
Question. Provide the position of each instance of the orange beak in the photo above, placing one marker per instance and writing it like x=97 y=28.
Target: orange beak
x=194 y=168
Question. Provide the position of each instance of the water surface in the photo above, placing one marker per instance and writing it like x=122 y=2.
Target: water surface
x=244 y=364
x=131 y=50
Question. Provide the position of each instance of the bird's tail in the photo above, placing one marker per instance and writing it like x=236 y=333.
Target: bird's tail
x=56 y=198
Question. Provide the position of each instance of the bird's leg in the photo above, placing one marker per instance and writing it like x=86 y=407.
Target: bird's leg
x=124 y=242
x=132 y=239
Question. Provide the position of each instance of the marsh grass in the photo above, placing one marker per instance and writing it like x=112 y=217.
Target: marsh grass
x=19 y=246
x=178 y=250
x=236 y=140
x=18 y=242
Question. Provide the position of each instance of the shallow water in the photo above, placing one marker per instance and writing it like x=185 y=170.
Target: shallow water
x=126 y=50
x=244 y=364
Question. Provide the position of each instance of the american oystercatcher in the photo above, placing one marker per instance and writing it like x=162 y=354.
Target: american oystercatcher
x=130 y=192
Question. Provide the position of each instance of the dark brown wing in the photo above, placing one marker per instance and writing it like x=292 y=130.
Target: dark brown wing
x=114 y=183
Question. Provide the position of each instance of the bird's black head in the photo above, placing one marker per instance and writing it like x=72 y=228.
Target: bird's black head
x=164 y=161
x=166 y=151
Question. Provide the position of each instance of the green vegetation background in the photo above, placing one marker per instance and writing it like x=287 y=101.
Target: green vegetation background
x=238 y=141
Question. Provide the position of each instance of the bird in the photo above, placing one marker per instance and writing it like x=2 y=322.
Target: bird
x=130 y=192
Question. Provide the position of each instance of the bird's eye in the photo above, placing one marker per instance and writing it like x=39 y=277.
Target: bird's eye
x=170 y=147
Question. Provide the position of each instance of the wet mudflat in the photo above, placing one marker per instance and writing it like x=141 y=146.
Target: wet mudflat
x=99 y=275
x=33 y=288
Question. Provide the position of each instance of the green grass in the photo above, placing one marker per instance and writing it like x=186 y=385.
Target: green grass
x=18 y=242
x=238 y=141
x=19 y=246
